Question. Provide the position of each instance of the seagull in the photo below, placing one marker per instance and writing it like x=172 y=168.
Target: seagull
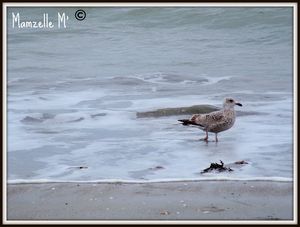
x=217 y=121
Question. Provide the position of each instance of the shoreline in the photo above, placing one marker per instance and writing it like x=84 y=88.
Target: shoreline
x=186 y=200
x=171 y=180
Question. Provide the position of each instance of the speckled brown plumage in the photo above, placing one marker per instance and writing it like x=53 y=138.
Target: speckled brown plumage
x=216 y=121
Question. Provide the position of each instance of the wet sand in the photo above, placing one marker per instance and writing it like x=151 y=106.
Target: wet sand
x=202 y=200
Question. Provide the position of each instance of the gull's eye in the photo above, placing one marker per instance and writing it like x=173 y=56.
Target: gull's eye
x=230 y=100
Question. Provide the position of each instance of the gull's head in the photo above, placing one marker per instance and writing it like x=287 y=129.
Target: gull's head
x=230 y=103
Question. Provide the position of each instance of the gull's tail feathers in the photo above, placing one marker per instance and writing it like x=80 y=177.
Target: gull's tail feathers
x=189 y=122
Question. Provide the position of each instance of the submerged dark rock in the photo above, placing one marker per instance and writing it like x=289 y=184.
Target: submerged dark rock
x=197 y=109
x=178 y=111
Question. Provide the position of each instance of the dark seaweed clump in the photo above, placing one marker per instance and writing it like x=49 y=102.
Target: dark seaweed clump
x=217 y=167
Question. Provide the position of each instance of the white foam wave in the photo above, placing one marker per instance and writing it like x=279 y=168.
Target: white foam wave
x=214 y=80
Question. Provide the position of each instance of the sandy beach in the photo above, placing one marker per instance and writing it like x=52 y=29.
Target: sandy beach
x=197 y=200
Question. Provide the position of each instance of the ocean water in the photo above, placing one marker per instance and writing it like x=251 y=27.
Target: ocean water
x=73 y=93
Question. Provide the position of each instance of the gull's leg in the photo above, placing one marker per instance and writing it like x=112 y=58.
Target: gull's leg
x=216 y=137
x=206 y=137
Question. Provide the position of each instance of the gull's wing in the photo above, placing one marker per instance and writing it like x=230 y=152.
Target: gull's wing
x=219 y=122
x=208 y=119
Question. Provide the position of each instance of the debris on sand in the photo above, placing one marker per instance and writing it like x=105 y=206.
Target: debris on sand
x=165 y=212
x=156 y=168
x=29 y=119
x=76 y=120
x=78 y=167
x=242 y=162
x=98 y=115
x=217 y=167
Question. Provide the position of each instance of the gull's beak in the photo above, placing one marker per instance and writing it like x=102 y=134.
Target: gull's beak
x=239 y=104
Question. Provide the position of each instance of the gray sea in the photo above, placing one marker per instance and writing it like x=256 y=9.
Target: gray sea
x=73 y=93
